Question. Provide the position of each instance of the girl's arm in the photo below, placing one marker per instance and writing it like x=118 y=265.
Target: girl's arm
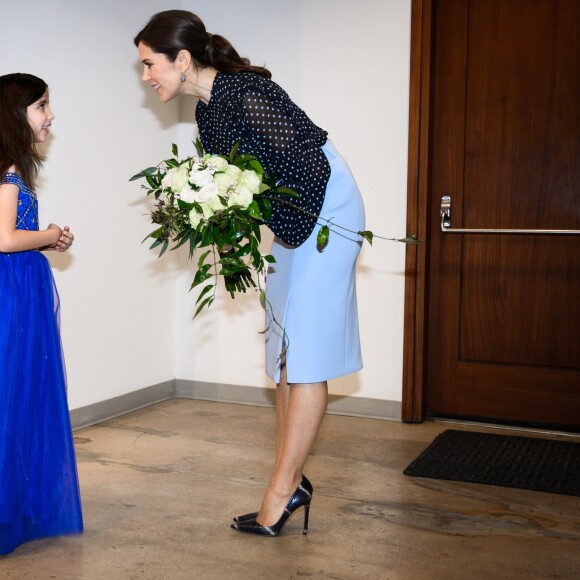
x=13 y=240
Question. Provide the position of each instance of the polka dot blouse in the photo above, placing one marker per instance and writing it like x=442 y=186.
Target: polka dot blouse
x=255 y=111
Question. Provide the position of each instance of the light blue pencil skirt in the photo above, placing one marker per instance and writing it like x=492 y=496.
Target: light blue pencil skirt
x=312 y=294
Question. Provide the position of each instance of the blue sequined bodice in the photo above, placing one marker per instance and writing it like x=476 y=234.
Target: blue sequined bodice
x=27 y=216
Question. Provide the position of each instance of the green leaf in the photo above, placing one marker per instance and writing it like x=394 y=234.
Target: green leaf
x=206 y=289
x=257 y=167
x=174 y=149
x=185 y=235
x=156 y=234
x=184 y=205
x=322 y=238
x=285 y=191
x=199 y=147
x=163 y=248
x=201 y=275
x=270 y=259
x=367 y=235
x=243 y=158
x=412 y=240
x=202 y=258
x=144 y=173
x=233 y=151
x=207 y=302
x=244 y=250
x=263 y=299
x=254 y=211
x=152 y=181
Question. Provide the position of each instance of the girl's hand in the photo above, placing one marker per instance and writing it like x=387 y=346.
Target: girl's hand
x=65 y=241
x=57 y=232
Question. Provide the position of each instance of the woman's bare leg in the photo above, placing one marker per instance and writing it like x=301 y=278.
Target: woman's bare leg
x=282 y=395
x=298 y=427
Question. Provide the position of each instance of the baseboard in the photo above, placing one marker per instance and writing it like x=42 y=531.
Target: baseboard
x=264 y=397
x=103 y=410
x=222 y=393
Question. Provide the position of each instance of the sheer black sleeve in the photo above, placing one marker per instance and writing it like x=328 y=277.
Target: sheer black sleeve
x=295 y=160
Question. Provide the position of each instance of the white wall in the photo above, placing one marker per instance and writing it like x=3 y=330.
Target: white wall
x=118 y=313
x=347 y=65
x=127 y=316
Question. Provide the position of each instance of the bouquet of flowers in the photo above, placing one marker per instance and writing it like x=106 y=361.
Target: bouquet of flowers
x=219 y=202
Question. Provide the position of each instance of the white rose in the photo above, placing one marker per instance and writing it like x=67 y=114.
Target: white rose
x=188 y=194
x=200 y=177
x=207 y=210
x=217 y=163
x=176 y=178
x=234 y=172
x=224 y=182
x=241 y=196
x=252 y=180
x=194 y=218
x=207 y=192
x=216 y=203
x=166 y=181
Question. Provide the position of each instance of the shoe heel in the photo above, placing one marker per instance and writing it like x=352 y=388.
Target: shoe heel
x=306 y=514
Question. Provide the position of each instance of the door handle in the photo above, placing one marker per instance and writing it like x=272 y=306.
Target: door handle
x=446 y=225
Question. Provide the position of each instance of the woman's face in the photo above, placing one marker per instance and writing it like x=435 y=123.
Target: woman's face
x=160 y=73
x=40 y=117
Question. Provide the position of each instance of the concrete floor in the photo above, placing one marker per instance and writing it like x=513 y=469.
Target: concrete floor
x=160 y=485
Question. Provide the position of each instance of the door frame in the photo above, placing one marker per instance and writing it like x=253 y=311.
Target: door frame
x=416 y=288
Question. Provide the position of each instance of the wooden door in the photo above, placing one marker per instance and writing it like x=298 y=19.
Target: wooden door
x=502 y=322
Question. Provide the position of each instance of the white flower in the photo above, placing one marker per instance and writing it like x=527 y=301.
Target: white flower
x=175 y=178
x=216 y=163
x=207 y=210
x=252 y=180
x=200 y=177
x=188 y=194
x=195 y=218
x=216 y=203
x=207 y=192
x=224 y=182
x=233 y=171
x=241 y=196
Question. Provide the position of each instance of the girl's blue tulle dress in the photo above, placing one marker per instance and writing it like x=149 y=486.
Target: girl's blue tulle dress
x=39 y=491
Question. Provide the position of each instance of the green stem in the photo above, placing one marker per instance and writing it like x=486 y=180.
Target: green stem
x=410 y=240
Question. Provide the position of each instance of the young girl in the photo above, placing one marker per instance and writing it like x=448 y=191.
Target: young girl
x=39 y=493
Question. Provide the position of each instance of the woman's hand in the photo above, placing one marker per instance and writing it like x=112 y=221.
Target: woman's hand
x=65 y=240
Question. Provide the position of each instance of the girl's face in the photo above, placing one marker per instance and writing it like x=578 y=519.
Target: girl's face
x=160 y=73
x=40 y=117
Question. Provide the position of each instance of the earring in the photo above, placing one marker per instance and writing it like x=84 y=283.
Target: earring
x=182 y=78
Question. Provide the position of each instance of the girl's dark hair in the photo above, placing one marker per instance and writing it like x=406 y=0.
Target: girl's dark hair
x=17 y=140
x=174 y=30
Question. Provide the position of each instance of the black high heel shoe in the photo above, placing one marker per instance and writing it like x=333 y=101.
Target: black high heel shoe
x=300 y=498
x=246 y=517
x=252 y=515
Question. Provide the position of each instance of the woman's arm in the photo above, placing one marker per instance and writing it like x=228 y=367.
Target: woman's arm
x=297 y=163
x=13 y=240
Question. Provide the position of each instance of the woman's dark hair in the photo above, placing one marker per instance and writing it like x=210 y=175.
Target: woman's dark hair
x=174 y=30
x=17 y=141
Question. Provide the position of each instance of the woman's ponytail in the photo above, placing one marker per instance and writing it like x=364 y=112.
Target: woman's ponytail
x=171 y=31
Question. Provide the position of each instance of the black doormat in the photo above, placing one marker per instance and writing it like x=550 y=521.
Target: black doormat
x=506 y=460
